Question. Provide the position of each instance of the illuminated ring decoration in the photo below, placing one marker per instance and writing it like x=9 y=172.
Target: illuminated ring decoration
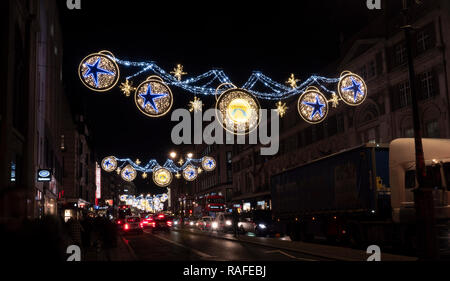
x=128 y=173
x=352 y=88
x=109 y=163
x=312 y=106
x=239 y=111
x=164 y=197
x=223 y=85
x=190 y=173
x=153 y=97
x=99 y=71
x=162 y=177
x=208 y=163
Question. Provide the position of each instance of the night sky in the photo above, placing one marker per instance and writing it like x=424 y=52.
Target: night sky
x=276 y=38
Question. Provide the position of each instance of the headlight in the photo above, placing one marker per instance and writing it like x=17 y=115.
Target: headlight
x=176 y=222
x=191 y=223
x=262 y=226
x=214 y=225
x=228 y=223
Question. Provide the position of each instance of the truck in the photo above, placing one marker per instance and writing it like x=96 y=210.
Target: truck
x=364 y=195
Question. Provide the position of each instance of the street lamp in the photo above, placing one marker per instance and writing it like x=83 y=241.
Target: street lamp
x=173 y=154
x=190 y=155
x=423 y=195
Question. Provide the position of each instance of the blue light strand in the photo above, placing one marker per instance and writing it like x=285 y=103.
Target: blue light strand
x=153 y=163
x=277 y=91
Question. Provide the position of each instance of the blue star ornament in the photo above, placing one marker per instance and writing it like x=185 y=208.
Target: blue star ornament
x=355 y=87
x=128 y=174
x=210 y=163
x=94 y=70
x=317 y=107
x=149 y=97
x=108 y=163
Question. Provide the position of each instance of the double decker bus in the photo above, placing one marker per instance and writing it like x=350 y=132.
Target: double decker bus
x=212 y=204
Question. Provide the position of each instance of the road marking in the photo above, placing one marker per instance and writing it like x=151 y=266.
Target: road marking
x=204 y=255
x=288 y=255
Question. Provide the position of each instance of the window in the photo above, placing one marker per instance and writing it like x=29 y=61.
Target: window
x=363 y=72
x=408 y=133
x=424 y=41
x=371 y=69
x=427 y=87
x=404 y=94
x=400 y=53
x=432 y=129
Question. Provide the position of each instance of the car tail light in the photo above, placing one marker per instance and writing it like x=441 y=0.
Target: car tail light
x=126 y=226
x=169 y=223
x=153 y=224
x=119 y=222
x=161 y=216
x=145 y=222
x=141 y=225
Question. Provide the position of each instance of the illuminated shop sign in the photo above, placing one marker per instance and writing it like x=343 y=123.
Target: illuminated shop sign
x=44 y=175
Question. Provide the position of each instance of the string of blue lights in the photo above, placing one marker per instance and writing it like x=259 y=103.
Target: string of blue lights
x=153 y=163
x=275 y=90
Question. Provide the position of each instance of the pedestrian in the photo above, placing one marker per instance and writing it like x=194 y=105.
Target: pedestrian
x=235 y=222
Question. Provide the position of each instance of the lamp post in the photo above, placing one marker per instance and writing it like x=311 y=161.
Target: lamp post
x=423 y=195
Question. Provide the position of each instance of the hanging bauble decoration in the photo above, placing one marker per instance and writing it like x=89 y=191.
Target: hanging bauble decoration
x=190 y=173
x=109 y=163
x=153 y=97
x=99 y=71
x=352 y=88
x=208 y=163
x=128 y=173
x=239 y=111
x=162 y=177
x=164 y=197
x=313 y=106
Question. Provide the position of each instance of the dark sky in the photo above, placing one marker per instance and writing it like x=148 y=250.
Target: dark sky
x=276 y=37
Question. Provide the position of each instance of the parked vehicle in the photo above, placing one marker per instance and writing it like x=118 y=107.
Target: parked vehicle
x=363 y=195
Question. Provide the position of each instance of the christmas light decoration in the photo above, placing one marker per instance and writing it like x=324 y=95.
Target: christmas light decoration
x=239 y=111
x=178 y=72
x=127 y=88
x=195 y=105
x=281 y=108
x=190 y=173
x=99 y=71
x=128 y=173
x=352 y=88
x=162 y=177
x=153 y=97
x=208 y=163
x=292 y=81
x=109 y=164
x=313 y=106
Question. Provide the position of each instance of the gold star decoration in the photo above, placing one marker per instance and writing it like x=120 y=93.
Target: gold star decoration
x=195 y=105
x=181 y=162
x=177 y=175
x=138 y=162
x=199 y=170
x=118 y=171
x=127 y=88
x=292 y=81
x=144 y=175
x=334 y=100
x=178 y=71
x=281 y=108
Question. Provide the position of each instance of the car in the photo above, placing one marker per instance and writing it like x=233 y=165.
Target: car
x=132 y=224
x=246 y=223
x=205 y=223
x=161 y=222
x=264 y=224
x=223 y=222
x=189 y=222
x=147 y=222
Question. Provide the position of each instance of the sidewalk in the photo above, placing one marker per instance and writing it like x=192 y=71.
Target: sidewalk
x=326 y=251
x=122 y=252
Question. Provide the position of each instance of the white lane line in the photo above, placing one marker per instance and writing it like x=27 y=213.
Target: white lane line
x=288 y=255
x=204 y=255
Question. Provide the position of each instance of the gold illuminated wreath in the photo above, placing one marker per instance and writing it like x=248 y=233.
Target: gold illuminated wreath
x=161 y=104
x=162 y=177
x=128 y=173
x=237 y=110
x=352 y=89
x=99 y=71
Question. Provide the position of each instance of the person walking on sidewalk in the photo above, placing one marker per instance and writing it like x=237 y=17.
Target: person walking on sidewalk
x=235 y=222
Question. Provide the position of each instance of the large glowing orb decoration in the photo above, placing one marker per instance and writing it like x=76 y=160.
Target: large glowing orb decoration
x=162 y=177
x=128 y=173
x=352 y=88
x=208 y=163
x=109 y=163
x=99 y=71
x=190 y=173
x=239 y=111
x=153 y=97
x=313 y=106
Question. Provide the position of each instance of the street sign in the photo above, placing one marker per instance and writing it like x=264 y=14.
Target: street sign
x=44 y=175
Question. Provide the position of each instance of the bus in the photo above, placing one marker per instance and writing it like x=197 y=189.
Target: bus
x=212 y=204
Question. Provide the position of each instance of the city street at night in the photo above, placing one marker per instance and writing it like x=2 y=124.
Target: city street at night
x=232 y=140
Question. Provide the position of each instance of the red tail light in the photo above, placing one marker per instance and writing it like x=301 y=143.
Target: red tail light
x=141 y=225
x=126 y=226
x=169 y=223
x=119 y=222
x=153 y=224
x=161 y=216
